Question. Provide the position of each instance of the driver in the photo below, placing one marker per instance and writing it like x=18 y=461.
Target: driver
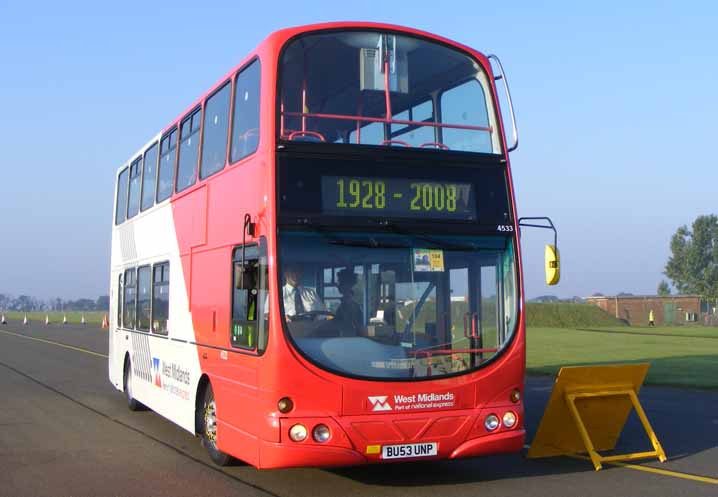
x=299 y=299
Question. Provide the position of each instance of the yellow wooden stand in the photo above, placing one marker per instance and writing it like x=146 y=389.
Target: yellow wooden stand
x=588 y=408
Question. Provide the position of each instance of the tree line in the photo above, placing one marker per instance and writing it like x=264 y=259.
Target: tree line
x=693 y=264
x=27 y=303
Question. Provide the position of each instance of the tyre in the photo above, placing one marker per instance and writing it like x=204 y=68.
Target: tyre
x=132 y=403
x=208 y=428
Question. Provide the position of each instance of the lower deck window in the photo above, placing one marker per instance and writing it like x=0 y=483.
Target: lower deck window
x=161 y=298
x=128 y=300
x=249 y=325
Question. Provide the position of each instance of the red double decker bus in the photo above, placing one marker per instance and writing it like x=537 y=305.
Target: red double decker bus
x=318 y=263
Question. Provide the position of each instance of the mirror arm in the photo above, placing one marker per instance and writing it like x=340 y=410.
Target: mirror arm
x=249 y=227
x=522 y=222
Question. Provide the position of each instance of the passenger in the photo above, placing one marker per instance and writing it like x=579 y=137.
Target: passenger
x=299 y=299
x=349 y=313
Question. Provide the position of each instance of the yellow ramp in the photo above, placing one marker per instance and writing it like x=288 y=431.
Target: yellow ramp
x=588 y=408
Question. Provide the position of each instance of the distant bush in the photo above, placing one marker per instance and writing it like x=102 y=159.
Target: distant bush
x=564 y=315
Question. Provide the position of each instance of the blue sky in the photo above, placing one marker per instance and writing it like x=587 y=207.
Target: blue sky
x=616 y=105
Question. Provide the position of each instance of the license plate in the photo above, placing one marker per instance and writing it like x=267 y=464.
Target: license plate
x=408 y=450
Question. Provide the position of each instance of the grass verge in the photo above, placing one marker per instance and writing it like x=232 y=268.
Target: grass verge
x=91 y=317
x=684 y=356
x=565 y=315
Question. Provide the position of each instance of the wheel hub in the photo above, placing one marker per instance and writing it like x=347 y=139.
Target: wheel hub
x=210 y=421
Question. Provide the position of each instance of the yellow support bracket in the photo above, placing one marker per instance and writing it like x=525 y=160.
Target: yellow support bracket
x=588 y=408
x=597 y=458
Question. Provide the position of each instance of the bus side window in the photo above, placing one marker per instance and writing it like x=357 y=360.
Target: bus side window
x=133 y=205
x=119 y=301
x=149 y=174
x=188 y=151
x=122 y=185
x=168 y=159
x=129 y=300
x=143 y=298
x=160 y=298
x=214 y=132
x=249 y=300
x=245 y=124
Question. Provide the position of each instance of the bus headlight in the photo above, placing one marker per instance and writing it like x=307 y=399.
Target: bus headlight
x=298 y=433
x=509 y=419
x=285 y=405
x=491 y=422
x=321 y=433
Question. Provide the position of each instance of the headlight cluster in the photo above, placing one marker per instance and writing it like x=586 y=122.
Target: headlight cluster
x=321 y=433
x=493 y=422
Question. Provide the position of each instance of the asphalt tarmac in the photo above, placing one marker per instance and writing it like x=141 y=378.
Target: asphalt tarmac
x=65 y=431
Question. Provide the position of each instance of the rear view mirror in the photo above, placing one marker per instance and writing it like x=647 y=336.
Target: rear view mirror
x=553 y=265
x=245 y=276
x=553 y=261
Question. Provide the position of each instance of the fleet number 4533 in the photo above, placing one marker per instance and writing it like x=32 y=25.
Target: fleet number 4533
x=505 y=227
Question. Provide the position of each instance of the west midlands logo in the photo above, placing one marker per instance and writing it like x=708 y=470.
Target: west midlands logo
x=156 y=371
x=379 y=403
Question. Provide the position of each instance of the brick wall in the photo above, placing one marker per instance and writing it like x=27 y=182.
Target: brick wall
x=635 y=310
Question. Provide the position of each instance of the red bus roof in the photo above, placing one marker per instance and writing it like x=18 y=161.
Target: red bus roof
x=269 y=48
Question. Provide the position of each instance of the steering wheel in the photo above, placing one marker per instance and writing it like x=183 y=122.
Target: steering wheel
x=311 y=315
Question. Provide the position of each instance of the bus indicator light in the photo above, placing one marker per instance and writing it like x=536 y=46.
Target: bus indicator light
x=515 y=395
x=285 y=405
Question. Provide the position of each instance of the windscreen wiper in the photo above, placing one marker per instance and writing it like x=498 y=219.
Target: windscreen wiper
x=369 y=243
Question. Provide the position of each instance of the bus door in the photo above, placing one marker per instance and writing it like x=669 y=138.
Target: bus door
x=473 y=307
x=117 y=336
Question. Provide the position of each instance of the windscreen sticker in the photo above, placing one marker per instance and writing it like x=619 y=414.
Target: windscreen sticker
x=428 y=260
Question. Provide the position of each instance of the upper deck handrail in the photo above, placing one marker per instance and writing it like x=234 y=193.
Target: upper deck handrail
x=346 y=117
x=502 y=77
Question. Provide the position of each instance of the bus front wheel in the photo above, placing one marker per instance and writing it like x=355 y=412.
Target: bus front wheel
x=208 y=429
x=132 y=403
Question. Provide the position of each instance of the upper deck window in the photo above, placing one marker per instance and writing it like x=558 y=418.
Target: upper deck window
x=133 y=206
x=188 y=151
x=334 y=89
x=121 y=209
x=168 y=159
x=216 y=124
x=245 y=127
x=149 y=176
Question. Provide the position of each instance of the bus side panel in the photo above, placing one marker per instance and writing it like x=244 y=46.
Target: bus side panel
x=209 y=224
x=232 y=371
x=166 y=369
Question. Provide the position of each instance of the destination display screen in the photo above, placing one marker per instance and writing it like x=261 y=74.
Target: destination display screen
x=397 y=197
x=367 y=191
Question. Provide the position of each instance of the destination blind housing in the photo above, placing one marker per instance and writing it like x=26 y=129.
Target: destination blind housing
x=328 y=189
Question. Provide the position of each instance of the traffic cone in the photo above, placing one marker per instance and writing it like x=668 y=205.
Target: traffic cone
x=3 y=320
x=64 y=319
x=47 y=319
x=82 y=321
x=25 y=321
x=105 y=324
